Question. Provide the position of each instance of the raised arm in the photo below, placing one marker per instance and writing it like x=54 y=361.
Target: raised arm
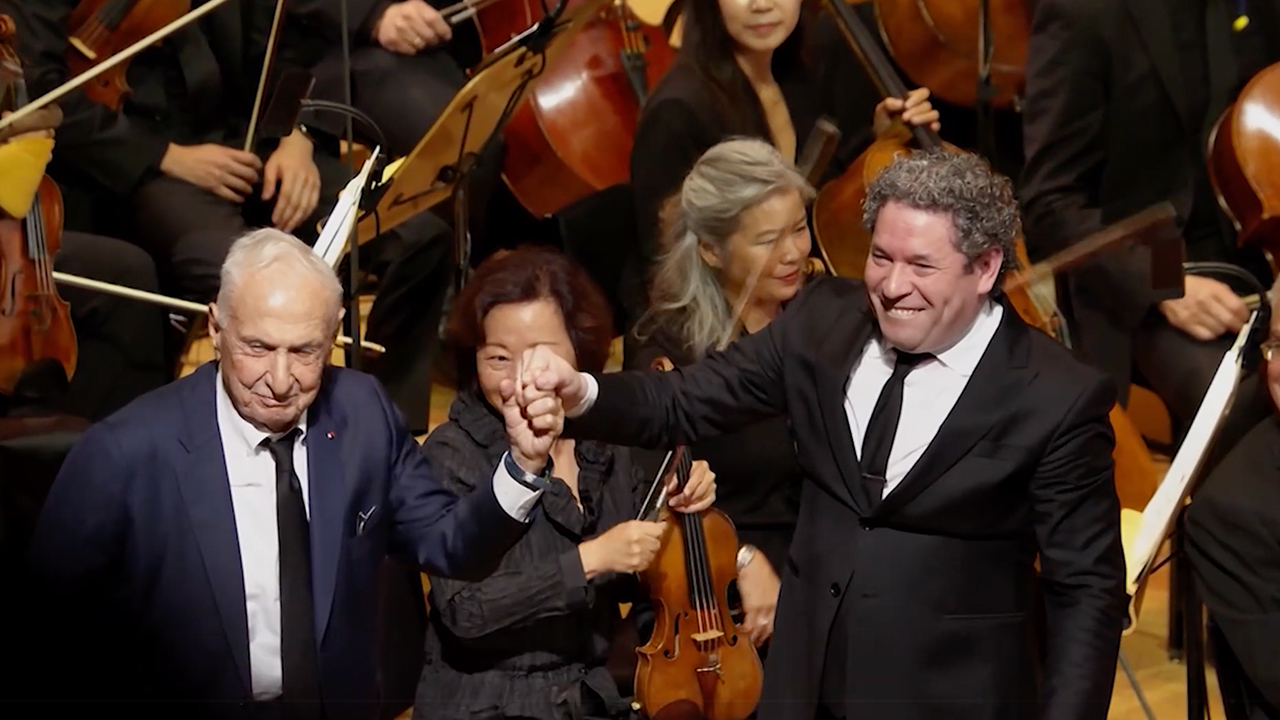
x=1077 y=521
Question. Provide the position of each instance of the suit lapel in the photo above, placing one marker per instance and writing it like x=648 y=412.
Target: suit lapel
x=1155 y=27
x=836 y=357
x=328 y=498
x=1002 y=373
x=206 y=491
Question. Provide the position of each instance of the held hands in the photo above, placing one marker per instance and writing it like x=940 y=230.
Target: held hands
x=1207 y=309
x=408 y=26
x=223 y=171
x=292 y=170
x=546 y=379
x=534 y=420
x=915 y=110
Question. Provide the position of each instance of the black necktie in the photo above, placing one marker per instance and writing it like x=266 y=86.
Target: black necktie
x=883 y=425
x=298 y=654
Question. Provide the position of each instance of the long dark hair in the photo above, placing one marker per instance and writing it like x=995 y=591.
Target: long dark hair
x=707 y=49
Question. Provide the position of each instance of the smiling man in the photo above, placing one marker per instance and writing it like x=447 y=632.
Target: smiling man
x=211 y=551
x=945 y=445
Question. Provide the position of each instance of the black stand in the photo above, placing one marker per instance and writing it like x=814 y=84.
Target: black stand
x=352 y=319
x=983 y=109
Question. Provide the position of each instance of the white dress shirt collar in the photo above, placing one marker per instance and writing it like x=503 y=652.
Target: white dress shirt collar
x=244 y=438
x=963 y=356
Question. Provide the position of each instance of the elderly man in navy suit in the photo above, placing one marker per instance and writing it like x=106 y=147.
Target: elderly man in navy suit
x=211 y=550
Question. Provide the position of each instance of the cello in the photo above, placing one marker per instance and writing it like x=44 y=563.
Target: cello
x=698 y=664
x=572 y=134
x=1242 y=155
x=35 y=322
x=955 y=47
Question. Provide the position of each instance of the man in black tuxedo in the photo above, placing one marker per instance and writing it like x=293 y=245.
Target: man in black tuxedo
x=1121 y=96
x=911 y=589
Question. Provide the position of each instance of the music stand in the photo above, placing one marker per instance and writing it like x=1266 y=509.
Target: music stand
x=440 y=165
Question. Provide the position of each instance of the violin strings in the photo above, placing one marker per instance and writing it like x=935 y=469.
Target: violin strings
x=36 y=248
x=692 y=559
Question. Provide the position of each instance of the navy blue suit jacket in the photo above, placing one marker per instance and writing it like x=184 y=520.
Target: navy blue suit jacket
x=137 y=550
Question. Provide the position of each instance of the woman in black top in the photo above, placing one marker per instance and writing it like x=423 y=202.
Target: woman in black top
x=531 y=641
x=759 y=68
x=734 y=251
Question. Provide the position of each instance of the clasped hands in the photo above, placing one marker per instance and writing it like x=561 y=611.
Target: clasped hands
x=534 y=404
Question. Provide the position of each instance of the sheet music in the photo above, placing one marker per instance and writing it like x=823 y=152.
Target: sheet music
x=332 y=242
x=1159 y=514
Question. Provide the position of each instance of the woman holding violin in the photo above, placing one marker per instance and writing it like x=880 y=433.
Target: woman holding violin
x=733 y=252
x=761 y=68
x=531 y=640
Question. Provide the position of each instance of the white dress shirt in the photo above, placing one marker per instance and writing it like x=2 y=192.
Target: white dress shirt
x=929 y=392
x=251 y=472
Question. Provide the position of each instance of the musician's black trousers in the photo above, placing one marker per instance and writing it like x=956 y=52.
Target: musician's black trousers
x=188 y=231
x=120 y=341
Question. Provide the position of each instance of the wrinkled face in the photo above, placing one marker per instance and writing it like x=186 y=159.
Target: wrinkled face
x=273 y=342
x=509 y=330
x=760 y=26
x=924 y=294
x=771 y=244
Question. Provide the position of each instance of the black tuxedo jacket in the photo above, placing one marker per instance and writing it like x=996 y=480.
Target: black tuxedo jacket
x=1108 y=130
x=941 y=574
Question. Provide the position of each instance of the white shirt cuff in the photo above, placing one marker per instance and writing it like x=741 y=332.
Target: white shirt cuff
x=593 y=389
x=514 y=496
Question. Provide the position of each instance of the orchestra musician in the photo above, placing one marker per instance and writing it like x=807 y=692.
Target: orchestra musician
x=168 y=173
x=120 y=341
x=736 y=234
x=911 y=585
x=1234 y=549
x=229 y=527
x=1120 y=98
x=402 y=72
x=760 y=68
x=531 y=641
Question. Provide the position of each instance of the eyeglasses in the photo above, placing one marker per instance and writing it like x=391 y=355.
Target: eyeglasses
x=1269 y=349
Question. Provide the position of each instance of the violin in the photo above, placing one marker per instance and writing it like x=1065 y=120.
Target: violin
x=698 y=663
x=99 y=29
x=572 y=134
x=1242 y=156
x=941 y=44
x=35 y=322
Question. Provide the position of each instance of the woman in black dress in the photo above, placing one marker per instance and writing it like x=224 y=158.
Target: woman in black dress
x=531 y=641
x=759 y=68
x=735 y=250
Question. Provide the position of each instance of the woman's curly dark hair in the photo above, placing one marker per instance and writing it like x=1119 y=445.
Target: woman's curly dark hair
x=522 y=275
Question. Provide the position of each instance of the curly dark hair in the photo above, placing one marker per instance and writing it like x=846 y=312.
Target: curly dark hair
x=522 y=275
x=979 y=200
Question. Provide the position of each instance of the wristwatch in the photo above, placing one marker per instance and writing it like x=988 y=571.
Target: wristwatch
x=526 y=478
x=745 y=554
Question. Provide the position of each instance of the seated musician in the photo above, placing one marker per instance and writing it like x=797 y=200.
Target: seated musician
x=734 y=251
x=944 y=446
x=119 y=342
x=531 y=640
x=402 y=72
x=167 y=172
x=1233 y=541
x=1119 y=100
x=229 y=527
x=767 y=70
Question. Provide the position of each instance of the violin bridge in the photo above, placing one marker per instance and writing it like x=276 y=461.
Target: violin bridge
x=707 y=635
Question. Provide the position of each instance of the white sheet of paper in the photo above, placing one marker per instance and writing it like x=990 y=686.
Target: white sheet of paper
x=1160 y=512
x=333 y=239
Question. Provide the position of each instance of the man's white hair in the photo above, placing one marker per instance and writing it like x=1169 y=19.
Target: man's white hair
x=267 y=247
